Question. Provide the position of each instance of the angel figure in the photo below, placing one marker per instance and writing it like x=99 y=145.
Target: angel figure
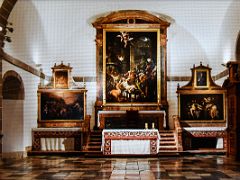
x=124 y=38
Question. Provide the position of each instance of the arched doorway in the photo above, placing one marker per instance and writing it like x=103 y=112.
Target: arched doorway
x=12 y=123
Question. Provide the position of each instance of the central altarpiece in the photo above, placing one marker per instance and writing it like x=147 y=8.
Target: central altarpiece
x=131 y=62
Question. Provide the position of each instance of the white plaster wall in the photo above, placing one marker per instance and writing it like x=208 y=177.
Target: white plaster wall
x=12 y=125
x=53 y=31
x=29 y=111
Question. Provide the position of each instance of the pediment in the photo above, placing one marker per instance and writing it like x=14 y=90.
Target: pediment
x=130 y=17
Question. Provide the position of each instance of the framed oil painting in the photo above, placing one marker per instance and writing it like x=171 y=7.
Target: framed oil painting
x=61 y=105
x=202 y=107
x=201 y=78
x=131 y=66
x=61 y=79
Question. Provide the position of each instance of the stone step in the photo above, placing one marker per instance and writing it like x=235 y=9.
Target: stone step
x=167 y=148
x=166 y=135
x=98 y=135
x=168 y=143
x=95 y=143
x=95 y=139
x=94 y=148
x=167 y=139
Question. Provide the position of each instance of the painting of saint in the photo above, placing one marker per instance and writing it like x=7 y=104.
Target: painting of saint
x=201 y=78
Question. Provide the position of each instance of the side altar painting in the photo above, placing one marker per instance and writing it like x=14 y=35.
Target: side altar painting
x=201 y=100
x=61 y=103
x=131 y=66
x=202 y=106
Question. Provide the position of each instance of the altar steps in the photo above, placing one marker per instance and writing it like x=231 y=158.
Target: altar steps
x=94 y=142
x=168 y=143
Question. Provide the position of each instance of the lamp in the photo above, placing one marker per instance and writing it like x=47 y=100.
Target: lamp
x=5 y=30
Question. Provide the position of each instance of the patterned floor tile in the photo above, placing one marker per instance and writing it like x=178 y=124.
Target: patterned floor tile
x=206 y=167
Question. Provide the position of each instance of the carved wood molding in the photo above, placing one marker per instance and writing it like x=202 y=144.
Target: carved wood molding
x=131 y=17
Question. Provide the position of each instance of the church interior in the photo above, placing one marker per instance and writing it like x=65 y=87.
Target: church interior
x=120 y=89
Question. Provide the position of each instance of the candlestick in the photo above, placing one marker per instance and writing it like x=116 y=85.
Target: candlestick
x=153 y=126
x=146 y=125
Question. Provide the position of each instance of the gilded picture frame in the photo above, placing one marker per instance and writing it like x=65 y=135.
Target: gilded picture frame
x=131 y=66
x=201 y=78
x=204 y=107
x=61 y=80
x=63 y=106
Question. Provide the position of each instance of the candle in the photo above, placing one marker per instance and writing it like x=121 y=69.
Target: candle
x=153 y=126
x=146 y=125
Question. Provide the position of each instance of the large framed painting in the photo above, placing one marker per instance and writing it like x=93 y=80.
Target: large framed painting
x=202 y=107
x=61 y=105
x=131 y=66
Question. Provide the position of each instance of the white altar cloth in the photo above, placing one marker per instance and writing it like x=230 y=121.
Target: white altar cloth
x=130 y=141
x=56 y=143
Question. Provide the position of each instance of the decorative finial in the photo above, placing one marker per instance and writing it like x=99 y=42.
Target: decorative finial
x=61 y=62
x=200 y=63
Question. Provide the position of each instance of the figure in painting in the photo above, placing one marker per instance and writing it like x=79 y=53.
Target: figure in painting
x=125 y=38
x=195 y=110
x=211 y=108
x=201 y=78
x=203 y=108
x=131 y=67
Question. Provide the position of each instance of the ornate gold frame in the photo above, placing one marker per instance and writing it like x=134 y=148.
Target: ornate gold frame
x=61 y=122
x=132 y=30
x=61 y=76
x=204 y=95
x=201 y=78
x=200 y=98
x=139 y=21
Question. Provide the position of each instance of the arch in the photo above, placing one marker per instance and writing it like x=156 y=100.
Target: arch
x=12 y=115
x=12 y=86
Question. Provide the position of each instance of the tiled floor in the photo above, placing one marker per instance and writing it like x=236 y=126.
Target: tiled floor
x=189 y=167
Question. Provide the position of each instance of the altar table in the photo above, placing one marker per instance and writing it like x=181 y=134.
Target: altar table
x=56 y=139
x=159 y=114
x=130 y=141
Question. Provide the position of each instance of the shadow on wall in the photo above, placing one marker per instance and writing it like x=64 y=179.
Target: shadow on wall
x=27 y=41
x=184 y=50
x=230 y=33
x=238 y=48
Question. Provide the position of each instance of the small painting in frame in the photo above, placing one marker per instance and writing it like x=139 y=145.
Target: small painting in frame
x=61 y=79
x=201 y=78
